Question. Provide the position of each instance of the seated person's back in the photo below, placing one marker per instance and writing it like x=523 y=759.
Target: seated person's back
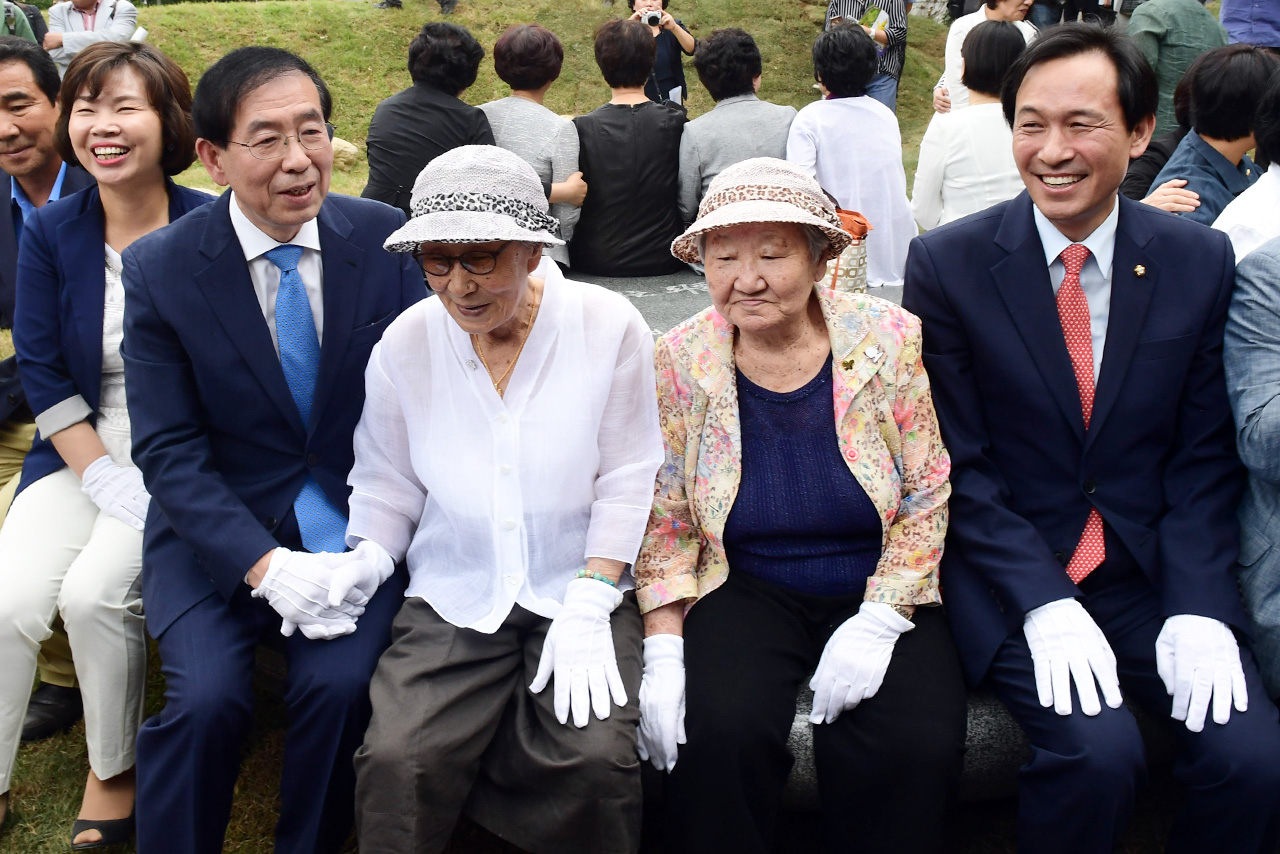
x=629 y=153
x=740 y=127
x=1226 y=85
x=851 y=143
x=966 y=157
x=418 y=124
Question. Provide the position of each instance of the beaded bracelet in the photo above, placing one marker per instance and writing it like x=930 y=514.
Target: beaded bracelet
x=582 y=573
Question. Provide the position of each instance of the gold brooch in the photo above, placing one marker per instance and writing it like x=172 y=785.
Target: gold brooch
x=847 y=364
x=1139 y=271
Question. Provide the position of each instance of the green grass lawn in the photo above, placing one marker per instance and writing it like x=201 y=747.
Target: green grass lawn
x=361 y=53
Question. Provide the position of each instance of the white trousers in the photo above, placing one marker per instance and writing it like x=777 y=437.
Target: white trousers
x=60 y=553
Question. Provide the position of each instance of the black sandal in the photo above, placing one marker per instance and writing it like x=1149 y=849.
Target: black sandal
x=114 y=831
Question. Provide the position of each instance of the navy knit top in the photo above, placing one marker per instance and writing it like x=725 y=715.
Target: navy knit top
x=801 y=519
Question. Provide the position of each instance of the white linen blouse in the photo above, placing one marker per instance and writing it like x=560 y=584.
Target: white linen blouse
x=853 y=147
x=966 y=165
x=500 y=500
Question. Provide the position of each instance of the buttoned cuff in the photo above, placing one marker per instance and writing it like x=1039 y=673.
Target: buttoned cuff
x=666 y=591
x=62 y=415
x=374 y=519
x=616 y=531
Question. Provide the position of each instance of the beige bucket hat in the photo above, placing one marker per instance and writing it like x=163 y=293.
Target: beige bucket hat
x=762 y=189
x=476 y=194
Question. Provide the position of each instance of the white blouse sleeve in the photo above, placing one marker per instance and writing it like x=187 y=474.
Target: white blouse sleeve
x=386 y=498
x=926 y=193
x=802 y=143
x=630 y=447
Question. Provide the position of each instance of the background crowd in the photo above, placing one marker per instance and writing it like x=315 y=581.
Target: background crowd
x=141 y=473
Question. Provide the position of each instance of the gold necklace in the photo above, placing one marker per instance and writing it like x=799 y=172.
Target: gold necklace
x=475 y=342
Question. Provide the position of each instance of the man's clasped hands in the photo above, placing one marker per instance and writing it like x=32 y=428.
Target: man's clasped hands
x=323 y=594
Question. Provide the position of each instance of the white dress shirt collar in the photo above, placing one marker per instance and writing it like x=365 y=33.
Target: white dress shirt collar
x=1101 y=243
x=255 y=242
x=265 y=276
x=1095 y=276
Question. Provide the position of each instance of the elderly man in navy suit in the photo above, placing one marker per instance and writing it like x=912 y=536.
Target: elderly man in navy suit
x=1074 y=345
x=247 y=329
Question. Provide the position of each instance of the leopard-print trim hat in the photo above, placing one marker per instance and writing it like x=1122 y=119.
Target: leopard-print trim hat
x=762 y=189
x=476 y=194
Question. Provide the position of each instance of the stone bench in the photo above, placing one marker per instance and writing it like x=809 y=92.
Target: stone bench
x=994 y=750
x=994 y=745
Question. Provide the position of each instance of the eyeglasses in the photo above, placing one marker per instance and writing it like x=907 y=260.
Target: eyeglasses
x=273 y=144
x=478 y=262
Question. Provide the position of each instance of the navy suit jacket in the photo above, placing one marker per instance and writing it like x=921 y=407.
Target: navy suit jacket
x=1158 y=461
x=58 y=315
x=11 y=394
x=216 y=433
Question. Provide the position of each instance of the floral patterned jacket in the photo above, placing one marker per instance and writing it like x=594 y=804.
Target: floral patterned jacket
x=887 y=430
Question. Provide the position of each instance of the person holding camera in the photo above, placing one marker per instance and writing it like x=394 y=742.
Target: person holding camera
x=671 y=37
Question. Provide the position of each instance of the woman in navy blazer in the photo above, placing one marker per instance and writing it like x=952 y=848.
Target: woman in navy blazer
x=73 y=542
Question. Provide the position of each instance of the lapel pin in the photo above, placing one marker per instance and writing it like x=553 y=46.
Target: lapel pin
x=873 y=352
x=847 y=364
x=1139 y=271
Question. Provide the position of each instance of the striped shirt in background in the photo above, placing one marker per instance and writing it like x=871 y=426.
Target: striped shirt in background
x=894 y=54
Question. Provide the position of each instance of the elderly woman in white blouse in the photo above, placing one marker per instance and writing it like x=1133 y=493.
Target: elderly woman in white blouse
x=966 y=157
x=507 y=451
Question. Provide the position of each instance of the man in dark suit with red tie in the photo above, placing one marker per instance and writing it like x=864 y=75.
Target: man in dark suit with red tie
x=1073 y=341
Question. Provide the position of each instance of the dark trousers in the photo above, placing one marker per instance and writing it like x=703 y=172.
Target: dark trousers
x=456 y=730
x=1076 y=794
x=189 y=754
x=887 y=769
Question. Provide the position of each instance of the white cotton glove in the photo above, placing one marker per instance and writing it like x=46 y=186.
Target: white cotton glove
x=855 y=660
x=579 y=651
x=662 y=700
x=358 y=577
x=1198 y=658
x=117 y=490
x=1066 y=644
x=297 y=586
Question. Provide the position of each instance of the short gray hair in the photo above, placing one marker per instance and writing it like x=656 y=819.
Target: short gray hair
x=819 y=243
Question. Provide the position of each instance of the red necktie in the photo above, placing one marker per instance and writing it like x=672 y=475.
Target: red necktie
x=1073 y=311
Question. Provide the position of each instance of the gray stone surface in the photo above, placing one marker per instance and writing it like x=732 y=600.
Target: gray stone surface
x=663 y=300
x=994 y=749
x=666 y=300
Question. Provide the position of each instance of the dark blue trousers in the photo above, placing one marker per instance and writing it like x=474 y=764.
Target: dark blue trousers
x=1076 y=794
x=189 y=754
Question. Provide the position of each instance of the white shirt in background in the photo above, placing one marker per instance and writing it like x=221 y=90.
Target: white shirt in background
x=966 y=165
x=1253 y=217
x=500 y=500
x=854 y=149
x=953 y=70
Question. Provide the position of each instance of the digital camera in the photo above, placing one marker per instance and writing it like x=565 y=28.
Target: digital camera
x=653 y=19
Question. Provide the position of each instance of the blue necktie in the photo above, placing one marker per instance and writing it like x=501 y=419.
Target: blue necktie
x=323 y=527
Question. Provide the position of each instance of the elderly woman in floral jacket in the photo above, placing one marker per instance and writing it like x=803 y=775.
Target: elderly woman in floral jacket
x=802 y=449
